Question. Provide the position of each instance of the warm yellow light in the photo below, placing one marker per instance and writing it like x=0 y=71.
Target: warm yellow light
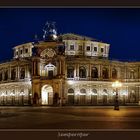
x=54 y=36
x=22 y=94
x=70 y=82
x=12 y=94
x=3 y=94
x=44 y=97
x=46 y=90
x=116 y=84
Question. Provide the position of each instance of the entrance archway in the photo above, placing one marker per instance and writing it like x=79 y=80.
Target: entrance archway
x=47 y=95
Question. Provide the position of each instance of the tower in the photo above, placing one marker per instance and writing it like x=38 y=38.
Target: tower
x=48 y=65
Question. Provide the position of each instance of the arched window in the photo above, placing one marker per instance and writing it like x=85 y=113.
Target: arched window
x=94 y=97
x=132 y=96
x=13 y=74
x=70 y=96
x=82 y=90
x=105 y=96
x=105 y=73
x=22 y=73
x=94 y=72
x=105 y=91
x=114 y=73
x=70 y=90
x=132 y=74
x=82 y=72
x=6 y=75
x=50 y=70
x=94 y=91
x=70 y=72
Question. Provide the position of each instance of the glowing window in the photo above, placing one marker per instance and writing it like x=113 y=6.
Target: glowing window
x=82 y=90
x=82 y=72
x=70 y=90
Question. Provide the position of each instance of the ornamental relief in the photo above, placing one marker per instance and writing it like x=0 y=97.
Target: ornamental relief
x=48 y=53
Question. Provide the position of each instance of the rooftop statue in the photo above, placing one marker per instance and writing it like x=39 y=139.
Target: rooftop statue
x=50 y=33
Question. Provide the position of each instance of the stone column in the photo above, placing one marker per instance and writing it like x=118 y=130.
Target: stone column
x=35 y=67
x=60 y=67
x=98 y=68
x=76 y=66
x=63 y=67
x=38 y=67
x=109 y=72
x=17 y=72
x=118 y=73
x=22 y=52
x=2 y=74
x=9 y=73
x=26 y=71
x=100 y=71
x=77 y=71
x=138 y=72
x=30 y=51
x=125 y=73
x=127 y=91
x=89 y=72
x=66 y=71
x=105 y=50
x=60 y=93
x=139 y=94
x=100 y=94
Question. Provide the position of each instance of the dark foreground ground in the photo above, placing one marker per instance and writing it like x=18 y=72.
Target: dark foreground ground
x=69 y=118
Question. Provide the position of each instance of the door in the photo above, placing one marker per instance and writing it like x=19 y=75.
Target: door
x=94 y=99
x=50 y=74
x=71 y=99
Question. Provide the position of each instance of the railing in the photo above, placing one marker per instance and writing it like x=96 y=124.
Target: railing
x=131 y=80
x=101 y=79
x=16 y=80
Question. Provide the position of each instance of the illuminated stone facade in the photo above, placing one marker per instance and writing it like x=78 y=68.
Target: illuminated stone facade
x=72 y=70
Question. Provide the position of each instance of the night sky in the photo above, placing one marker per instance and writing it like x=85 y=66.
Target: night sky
x=118 y=27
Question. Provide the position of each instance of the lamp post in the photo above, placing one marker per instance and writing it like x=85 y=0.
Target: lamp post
x=30 y=97
x=116 y=85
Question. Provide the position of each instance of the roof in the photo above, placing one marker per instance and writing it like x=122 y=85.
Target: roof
x=72 y=36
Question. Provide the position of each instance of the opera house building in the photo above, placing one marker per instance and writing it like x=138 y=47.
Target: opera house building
x=67 y=69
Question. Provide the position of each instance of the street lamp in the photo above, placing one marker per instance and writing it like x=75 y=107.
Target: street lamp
x=30 y=97
x=116 y=85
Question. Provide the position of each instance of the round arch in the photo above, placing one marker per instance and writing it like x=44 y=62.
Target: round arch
x=105 y=96
x=47 y=95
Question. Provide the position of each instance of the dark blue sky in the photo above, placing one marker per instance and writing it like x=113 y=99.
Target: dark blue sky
x=118 y=27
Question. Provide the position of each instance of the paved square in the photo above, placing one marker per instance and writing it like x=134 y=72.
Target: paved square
x=69 y=118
